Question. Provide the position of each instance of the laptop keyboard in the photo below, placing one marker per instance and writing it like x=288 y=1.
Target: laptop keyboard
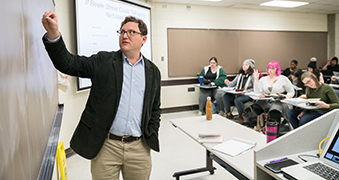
x=323 y=171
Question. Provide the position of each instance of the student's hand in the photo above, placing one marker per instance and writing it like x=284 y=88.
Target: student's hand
x=50 y=23
x=333 y=78
x=301 y=114
x=227 y=81
x=212 y=84
x=322 y=104
x=288 y=97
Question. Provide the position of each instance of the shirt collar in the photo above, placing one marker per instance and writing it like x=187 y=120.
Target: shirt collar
x=141 y=60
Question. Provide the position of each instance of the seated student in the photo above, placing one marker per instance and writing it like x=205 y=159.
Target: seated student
x=315 y=89
x=296 y=80
x=312 y=67
x=272 y=83
x=244 y=80
x=216 y=75
x=331 y=65
x=293 y=66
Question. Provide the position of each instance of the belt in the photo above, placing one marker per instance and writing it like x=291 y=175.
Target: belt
x=123 y=138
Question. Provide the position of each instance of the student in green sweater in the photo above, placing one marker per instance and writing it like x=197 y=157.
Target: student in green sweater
x=216 y=75
x=315 y=89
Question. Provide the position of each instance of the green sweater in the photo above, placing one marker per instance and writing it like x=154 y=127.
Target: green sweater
x=326 y=94
x=221 y=76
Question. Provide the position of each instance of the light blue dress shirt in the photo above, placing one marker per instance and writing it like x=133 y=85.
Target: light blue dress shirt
x=128 y=118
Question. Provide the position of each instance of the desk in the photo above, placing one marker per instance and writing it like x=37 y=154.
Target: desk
x=298 y=103
x=334 y=85
x=231 y=90
x=241 y=166
x=204 y=86
x=303 y=140
x=257 y=96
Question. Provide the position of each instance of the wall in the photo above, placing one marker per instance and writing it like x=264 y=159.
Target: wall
x=177 y=16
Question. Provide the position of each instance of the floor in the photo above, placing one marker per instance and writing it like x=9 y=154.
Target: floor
x=177 y=152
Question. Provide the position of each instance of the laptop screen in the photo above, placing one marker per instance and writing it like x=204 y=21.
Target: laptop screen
x=332 y=154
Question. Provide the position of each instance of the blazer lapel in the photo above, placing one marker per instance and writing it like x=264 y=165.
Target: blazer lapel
x=149 y=78
x=119 y=74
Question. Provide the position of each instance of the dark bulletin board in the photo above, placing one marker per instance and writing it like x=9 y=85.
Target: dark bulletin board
x=189 y=50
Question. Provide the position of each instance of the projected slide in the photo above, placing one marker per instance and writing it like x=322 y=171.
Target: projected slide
x=97 y=24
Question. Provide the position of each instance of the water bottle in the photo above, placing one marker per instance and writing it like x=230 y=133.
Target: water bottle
x=271 y=130
x=201 y=78
x=209 y=109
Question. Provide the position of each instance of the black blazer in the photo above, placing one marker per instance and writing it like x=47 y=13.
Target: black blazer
x=105 y=69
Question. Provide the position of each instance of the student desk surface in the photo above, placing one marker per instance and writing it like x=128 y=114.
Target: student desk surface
x=243 y=163
x=205 y=86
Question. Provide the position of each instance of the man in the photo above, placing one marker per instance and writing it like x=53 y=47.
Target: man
x=120 y=122
x=331 y=65
x=293 y=66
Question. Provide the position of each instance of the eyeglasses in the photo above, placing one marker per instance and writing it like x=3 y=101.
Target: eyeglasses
x=306 y=83
x=273 y=68
x=130 y=33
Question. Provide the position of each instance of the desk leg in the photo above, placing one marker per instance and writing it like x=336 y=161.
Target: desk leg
x=229 y=168
x=209 y=167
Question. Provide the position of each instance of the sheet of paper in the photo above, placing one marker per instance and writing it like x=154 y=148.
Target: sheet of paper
x=225 y=89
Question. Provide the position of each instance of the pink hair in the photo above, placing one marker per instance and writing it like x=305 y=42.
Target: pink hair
x=274 y=64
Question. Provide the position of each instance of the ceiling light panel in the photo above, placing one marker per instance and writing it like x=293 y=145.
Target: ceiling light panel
x=286 y=4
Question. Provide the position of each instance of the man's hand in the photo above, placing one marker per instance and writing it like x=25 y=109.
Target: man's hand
x=50 y=23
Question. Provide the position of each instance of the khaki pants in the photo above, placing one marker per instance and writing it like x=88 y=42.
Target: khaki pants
x=132 y=158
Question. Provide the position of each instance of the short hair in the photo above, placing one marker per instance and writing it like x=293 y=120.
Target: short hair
x=141 y=25
x=308 y=74
x=295 y=61
x=274 y=64
x=213 y=58
x=335 y=58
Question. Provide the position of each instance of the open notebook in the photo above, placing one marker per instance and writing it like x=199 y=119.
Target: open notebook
x=234 y=146
x=329 y=158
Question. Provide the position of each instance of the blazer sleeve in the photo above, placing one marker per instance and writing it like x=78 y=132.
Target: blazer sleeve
x=154 y=122
x=68 y=63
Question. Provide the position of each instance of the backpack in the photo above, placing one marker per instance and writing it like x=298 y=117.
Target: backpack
x=261 y=123
x=249 y=115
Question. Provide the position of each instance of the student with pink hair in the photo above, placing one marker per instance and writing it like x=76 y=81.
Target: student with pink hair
x=272 y=83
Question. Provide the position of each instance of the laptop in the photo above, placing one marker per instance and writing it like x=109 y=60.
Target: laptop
x=329 y=158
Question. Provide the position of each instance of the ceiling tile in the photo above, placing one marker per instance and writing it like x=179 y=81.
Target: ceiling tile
x=315 y=6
